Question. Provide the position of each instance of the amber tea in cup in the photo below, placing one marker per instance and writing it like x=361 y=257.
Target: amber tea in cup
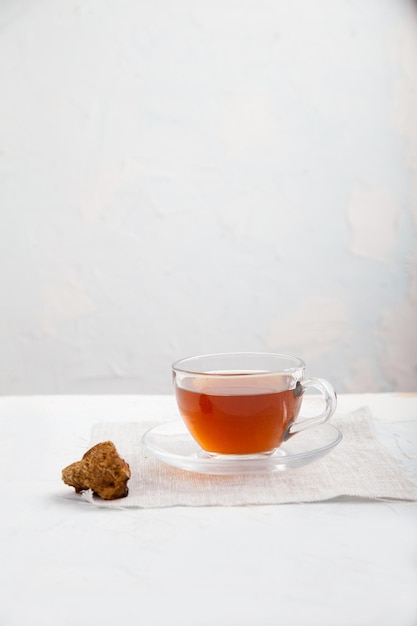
x=245 y=403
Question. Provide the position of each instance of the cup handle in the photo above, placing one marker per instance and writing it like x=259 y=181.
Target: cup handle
x=330 y=398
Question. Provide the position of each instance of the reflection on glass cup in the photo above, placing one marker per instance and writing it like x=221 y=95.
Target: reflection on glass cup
x=246 y=403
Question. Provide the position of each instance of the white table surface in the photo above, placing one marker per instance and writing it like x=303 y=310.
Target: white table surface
x=62 y=562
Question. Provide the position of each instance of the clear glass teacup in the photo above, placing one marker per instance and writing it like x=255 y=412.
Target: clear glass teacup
x=246 y=403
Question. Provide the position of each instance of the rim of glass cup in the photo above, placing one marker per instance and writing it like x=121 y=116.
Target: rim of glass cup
x=300 y=364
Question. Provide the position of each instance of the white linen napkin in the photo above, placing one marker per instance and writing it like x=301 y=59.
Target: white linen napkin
x=359 y=467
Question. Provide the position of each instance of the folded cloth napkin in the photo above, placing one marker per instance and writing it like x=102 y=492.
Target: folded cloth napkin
x=359 y=467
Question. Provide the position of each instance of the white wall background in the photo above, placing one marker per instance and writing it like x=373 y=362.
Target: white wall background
x=206 y=175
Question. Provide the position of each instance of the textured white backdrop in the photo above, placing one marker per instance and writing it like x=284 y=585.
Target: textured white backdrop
x=199 y=176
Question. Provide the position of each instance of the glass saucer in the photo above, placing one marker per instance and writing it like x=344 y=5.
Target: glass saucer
x=172 y=443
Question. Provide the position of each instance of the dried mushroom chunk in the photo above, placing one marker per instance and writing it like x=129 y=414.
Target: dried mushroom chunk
x=102 y=470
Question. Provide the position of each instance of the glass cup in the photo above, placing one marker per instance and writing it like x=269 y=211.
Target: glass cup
x=246 y=403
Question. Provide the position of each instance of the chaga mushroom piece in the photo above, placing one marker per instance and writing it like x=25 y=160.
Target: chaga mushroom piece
x=102 y=470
